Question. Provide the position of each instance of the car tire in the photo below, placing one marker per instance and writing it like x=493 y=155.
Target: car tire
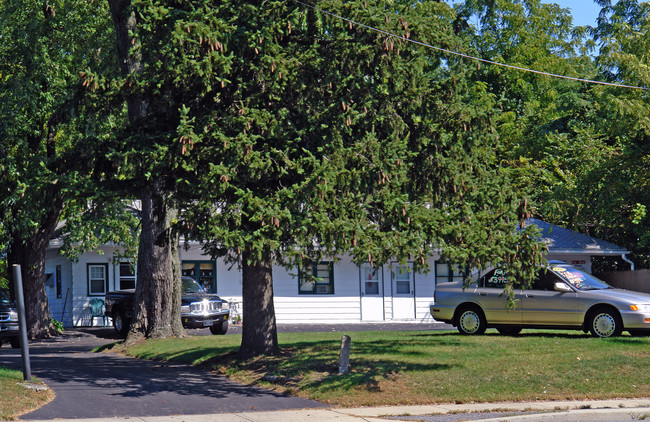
x=15 y=342
x=219 y=329
x=509 y=331
x=471 y=321
x=120 y=323
x=605 y=322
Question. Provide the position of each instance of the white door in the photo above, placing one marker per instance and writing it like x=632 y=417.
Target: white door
x=372 y=294
x=403 y=291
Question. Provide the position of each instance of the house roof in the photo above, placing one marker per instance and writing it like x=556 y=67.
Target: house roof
x=561 y=240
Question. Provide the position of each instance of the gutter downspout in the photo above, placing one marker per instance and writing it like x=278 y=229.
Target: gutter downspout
x=628 y=261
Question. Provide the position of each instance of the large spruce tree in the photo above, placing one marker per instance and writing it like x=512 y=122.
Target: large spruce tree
x=343 y=140
x=282 y=134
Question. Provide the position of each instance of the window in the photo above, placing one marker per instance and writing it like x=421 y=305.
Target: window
x=322 y=282
x=545 y=280
x=203 y=272
x=97 y=279
x=370 y=280
x=57 y=274
x=127 y=276
x=447 y=273
x=495 y=278
x=402 y=279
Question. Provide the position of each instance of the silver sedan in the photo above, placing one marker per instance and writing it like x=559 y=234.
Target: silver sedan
x=561 y=297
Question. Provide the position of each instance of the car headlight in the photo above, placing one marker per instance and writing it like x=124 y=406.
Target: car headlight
x=225 y=305
x=185 y=309
x=640 y=308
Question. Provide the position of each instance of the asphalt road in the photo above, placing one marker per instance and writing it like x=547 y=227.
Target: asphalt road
x=92 y=385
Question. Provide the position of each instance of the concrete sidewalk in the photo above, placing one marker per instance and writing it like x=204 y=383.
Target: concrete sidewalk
x=581 y=410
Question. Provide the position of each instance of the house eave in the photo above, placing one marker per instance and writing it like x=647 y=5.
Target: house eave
x=587 y=251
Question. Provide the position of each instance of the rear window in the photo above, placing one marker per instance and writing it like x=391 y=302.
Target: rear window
x=495 y=278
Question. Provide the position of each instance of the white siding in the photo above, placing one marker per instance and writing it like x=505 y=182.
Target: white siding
x=342 y=306
x=425 y=284
x=290 y=306
x=79 y=291
x=60 y=308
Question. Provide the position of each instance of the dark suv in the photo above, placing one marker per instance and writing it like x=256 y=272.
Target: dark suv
x=198 y=308
x=8 y=321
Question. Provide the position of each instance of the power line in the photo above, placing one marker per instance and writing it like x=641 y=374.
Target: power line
x=467 y=56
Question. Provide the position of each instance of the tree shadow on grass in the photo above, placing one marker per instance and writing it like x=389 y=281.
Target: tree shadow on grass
x=313 y=365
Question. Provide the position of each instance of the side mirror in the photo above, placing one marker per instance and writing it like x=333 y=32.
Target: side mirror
x=562 y=287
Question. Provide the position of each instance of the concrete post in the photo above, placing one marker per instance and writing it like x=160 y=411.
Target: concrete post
x=22 y=323
x=344 y=359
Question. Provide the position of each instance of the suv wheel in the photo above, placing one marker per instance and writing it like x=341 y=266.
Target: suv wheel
x=219 y=329
x=120 y=323
x=15 y=342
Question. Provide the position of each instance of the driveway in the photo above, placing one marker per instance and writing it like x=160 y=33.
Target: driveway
x=92 y=385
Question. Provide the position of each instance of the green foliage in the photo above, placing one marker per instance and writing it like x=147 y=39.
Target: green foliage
x=41 y=57
x=579 y=150
x=621 y=194
x=294 y=134
x=4 y=275
x=100 y=223
x=58 y=325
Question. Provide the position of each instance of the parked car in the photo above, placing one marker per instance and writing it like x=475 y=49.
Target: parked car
x=198 y=308
x=9 y=331
x=561 y=297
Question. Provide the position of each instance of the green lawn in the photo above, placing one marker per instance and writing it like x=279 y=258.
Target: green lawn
x=15 y=399
x=418 y=367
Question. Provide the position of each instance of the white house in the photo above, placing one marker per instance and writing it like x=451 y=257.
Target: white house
x=346 y=292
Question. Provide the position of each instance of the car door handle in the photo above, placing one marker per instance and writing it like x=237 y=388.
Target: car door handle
x=530 y=296
x=483 y=294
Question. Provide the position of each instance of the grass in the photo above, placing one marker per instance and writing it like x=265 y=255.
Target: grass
x=15 y=399
x=423 y=367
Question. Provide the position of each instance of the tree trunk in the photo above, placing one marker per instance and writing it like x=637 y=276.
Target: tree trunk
x=158 y=290
x=177 y=287
x=29 y=253
x=154 y=303
x=260 y=334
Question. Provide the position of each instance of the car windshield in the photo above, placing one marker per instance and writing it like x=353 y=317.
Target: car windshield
x=579 y=279
x=191 y=286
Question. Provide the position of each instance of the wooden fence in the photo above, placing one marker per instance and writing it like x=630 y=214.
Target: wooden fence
x=630 y=280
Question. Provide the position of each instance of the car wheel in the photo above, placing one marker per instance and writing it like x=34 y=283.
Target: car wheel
x=509 y=331
x=219 y=329
x=120 y=323
x=15 y=342
x=471 y=321
x=639 y=333
x=605 y=323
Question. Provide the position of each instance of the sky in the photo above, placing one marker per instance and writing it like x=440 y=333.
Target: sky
x=584 y=12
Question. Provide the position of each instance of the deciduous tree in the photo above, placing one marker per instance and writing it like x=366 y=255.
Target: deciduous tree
x=45 y=45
